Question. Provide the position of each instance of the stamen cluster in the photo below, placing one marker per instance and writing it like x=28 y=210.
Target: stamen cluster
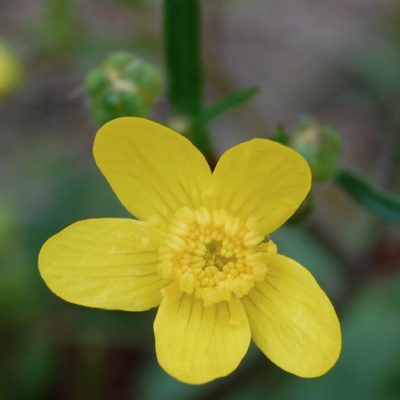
x=211 y=254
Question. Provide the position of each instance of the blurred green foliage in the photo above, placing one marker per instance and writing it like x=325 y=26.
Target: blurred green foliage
x=60 y=30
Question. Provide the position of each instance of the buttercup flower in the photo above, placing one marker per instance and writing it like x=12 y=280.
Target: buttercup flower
x=200 y=251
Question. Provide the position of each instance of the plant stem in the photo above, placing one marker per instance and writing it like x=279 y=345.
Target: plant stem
x=182 y=44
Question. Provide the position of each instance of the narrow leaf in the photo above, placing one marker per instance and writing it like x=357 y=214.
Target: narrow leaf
x=384 y=204
x=226 y=104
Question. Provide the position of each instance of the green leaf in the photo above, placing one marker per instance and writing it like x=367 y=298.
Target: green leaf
x=384 y=204
x=227 y=103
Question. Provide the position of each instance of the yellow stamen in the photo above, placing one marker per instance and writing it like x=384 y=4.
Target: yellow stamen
x=211 y=254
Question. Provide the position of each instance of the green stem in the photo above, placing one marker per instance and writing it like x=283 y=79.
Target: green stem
x=182 y=36
x=386 y=205
x=183 y=55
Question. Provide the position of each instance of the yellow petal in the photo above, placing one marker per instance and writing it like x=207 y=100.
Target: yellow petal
x=197 y=343
x=292 y=320
x=152 y=169
x=103 y=263
x=261 y=178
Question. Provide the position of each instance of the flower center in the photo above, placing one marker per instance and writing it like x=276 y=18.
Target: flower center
x=211 y=254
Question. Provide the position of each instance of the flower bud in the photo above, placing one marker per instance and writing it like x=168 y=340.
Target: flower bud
x=10 y=71
x=180 y=124
x=320 y=146
x=123 y=86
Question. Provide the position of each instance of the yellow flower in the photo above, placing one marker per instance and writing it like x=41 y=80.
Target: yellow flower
x=200 y=251
x=10 y=71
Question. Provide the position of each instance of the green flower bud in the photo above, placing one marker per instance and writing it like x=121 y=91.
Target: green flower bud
x=123 y=86
x=320 y=146
x=180 y=124
x=96 y=82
